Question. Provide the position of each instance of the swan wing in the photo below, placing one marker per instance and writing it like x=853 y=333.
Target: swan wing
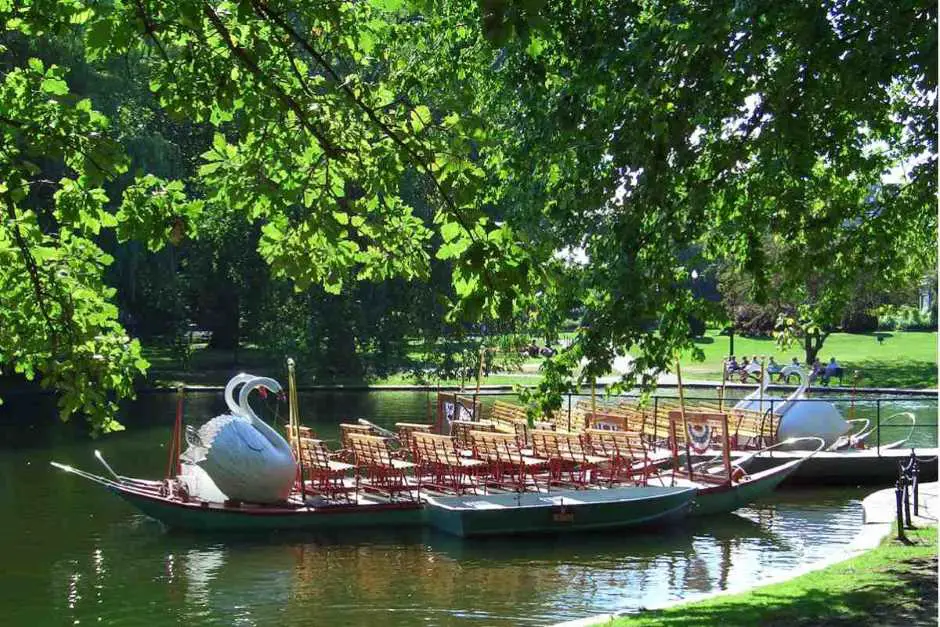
x=250 y=436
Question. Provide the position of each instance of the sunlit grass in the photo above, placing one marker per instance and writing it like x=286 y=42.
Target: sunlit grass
x=895 y=584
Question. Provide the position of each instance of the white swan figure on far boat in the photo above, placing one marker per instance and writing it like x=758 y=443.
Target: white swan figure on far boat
x=799 y=416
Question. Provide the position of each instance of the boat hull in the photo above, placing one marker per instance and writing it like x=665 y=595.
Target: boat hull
x=557 y=512
x=724 y=499
x=216 y=517
x=853 y=467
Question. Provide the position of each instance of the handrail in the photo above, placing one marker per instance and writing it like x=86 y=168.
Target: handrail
x=860 y=437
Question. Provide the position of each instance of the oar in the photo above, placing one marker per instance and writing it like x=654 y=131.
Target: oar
x=383 y=432
x=81 y=473
x=108 y=466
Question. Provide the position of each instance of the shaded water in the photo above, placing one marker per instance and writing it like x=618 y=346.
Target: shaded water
x=72 y=552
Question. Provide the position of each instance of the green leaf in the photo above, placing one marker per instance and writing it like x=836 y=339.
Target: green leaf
x=420 y=117
x=450 y=230
x=55 y=86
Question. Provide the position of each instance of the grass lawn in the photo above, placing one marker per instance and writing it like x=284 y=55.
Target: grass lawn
x=893 y=584
x=904 y=359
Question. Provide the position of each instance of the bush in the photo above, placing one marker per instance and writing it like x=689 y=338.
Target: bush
x=905 y=318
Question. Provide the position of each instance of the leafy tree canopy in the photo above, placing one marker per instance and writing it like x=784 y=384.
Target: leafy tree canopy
x=571 y=151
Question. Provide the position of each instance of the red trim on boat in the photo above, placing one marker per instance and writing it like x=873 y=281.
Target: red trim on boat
x=262 y=510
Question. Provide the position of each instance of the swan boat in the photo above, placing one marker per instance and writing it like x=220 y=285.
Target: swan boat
x=206 y=494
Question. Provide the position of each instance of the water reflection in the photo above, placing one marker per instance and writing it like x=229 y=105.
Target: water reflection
x=74 y=552
x=414 y=575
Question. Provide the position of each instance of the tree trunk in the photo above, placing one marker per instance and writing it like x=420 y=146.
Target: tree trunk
x=222 y=323
x=812 y=344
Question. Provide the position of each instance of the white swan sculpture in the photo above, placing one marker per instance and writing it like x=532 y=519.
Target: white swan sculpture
x=245 y=458
x=199 y=485
x=799 y=417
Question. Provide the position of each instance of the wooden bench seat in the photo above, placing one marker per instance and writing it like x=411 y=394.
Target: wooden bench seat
x=326 y=475
x=627 y=452
x=442 y=467
x=509 y=466
x=566 y=452
x=378 y=469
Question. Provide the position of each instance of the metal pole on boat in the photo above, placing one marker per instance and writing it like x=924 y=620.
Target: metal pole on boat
x=655 y=417
x=685 y=426
x=172 y=460
x=721 y=390
x=773 y=434
x=593 y=402
x=476 y=394
x=760 y=384
x=569 y=410
x=293 y=423
x=108 y=466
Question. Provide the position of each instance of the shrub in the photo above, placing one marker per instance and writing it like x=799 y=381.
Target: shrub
x=905 y=318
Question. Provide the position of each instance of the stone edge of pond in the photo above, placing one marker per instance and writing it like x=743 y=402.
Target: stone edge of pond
x=878 y=521
x=497 y=388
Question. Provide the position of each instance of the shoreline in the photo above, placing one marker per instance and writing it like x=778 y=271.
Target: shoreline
x=878 y=522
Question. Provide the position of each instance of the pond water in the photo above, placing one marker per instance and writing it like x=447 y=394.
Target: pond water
x=74 y=554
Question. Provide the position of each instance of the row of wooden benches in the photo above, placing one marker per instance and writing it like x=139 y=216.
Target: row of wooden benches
x=747 y=429
x=491 y=459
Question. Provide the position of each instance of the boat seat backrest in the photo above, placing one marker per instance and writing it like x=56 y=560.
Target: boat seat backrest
x=500 y=447
x=460 y=430
x=370 y=450
x=305 y=432
x=745 y=423
x=617 y=444
x=435 y=449
x=546 y=444
x=314 y=453
x=511 y=417
x=406 y=431
x=347 y=429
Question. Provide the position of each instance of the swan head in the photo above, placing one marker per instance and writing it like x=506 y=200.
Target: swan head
x=254 y=383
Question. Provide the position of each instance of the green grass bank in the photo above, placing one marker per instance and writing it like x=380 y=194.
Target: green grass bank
x=894 y=584
x=903 y=359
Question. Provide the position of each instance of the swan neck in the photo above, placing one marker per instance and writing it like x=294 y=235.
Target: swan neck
x=230 y=388
x=270 y=434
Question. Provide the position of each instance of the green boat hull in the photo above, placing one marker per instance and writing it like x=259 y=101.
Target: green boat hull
x=558 y=512
x=214 y=517
x=724 y=499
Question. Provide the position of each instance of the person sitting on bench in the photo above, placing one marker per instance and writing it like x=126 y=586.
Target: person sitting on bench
x=833 y=369
x=773 y=368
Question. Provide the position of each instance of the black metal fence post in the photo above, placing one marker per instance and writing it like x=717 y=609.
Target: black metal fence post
x=915 y=481
x=907 y=504
x=897 y=499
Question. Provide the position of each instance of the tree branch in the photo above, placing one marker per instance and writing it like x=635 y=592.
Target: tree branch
x=242 y=55
x=32 y=270
x=417 y=160
x=152 y=34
